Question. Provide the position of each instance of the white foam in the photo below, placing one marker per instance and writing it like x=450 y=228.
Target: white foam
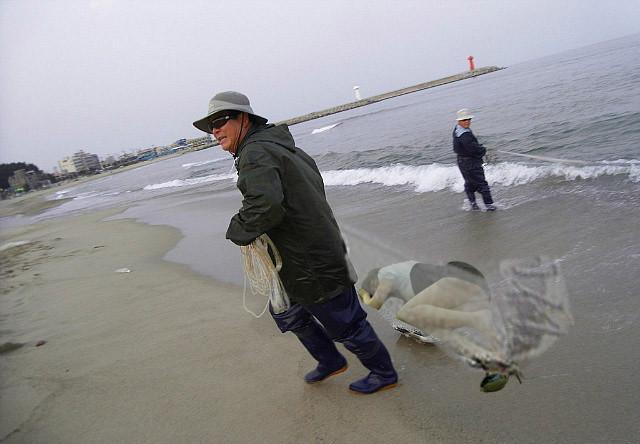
x=324 y=128
x=13 y=244
x=62 y=194
x=189 y=182
x=422 y=178
x=436 y=177
x=205 y=162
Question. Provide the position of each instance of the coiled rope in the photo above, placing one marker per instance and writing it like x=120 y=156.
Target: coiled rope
x=262 y=275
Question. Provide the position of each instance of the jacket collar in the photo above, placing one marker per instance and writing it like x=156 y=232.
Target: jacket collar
x=252 y=130
x=460 y=130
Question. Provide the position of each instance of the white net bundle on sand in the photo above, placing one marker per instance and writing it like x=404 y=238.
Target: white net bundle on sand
x=262 y=274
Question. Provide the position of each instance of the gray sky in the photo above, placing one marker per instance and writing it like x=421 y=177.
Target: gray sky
x=108 y=76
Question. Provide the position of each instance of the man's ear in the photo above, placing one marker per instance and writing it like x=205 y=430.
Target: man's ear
x=245 y=120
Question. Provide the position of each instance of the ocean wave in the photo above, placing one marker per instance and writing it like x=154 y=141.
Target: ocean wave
x=189 y=182
x=95 y=194
x=324 y=128
x=437 y=177
x=423 y=178
x=13 y=244
x=204 y=162
x=62 y=194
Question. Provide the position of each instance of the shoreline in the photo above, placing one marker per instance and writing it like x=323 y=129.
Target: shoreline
x=33 y=202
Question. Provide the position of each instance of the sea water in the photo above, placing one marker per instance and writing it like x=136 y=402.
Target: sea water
x=392 y=181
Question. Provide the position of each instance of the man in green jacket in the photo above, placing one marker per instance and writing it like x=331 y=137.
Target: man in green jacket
x=283 y=196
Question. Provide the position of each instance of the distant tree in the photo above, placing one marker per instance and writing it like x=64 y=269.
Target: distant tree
x=7 y=169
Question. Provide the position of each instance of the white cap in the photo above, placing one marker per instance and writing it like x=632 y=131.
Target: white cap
x=464 y=114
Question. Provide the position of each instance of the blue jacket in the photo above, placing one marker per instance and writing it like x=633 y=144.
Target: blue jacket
x=465 y=143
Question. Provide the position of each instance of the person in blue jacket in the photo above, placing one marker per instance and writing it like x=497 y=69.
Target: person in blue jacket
x=470 y=154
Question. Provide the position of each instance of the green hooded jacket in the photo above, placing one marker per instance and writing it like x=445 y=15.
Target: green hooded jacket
x=283 y=196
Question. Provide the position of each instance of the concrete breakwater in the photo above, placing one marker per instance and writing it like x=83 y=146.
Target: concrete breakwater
x=389 y=95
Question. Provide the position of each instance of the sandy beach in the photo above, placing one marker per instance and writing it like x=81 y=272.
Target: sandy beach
x=159 y=354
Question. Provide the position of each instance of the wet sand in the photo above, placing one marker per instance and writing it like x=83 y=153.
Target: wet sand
x=160 y=354
x=165 y=355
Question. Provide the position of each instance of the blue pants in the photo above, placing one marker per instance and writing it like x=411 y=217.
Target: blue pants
x=474 y=181
x=342 y=320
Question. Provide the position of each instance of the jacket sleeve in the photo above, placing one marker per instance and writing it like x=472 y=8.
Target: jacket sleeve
x=470 y=146
x=261 y=188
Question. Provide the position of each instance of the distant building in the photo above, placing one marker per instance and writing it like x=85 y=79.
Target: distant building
x=164 y=149
x=22 y=178
x=127 y=159
x=108 y=162
x=66 y=166
x=80 y=162
x=201 y=142
x=146 y=153
x=85 y=162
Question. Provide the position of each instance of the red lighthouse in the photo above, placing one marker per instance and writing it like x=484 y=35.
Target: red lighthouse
x=471 y=67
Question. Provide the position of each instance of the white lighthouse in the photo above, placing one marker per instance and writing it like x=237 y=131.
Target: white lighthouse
x=357 y=90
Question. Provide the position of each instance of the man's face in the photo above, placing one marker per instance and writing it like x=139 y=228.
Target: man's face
x=466 y=123
x=229 y=133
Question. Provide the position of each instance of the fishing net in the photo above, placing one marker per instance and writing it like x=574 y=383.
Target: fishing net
x=534 y=306
x=262 y=262
x=525 y=309
x=529 y=310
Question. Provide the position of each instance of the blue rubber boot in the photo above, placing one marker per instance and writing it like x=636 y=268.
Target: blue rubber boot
x=323 y=371
x=374 y=356
x=381 y=377
x=372 y=383
x=315 y=339
x=330 y=360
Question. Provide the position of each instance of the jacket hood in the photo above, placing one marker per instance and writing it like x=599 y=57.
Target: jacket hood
x=279 y=134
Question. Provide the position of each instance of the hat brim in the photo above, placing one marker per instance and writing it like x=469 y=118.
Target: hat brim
x=203 y=124
x=465 y=118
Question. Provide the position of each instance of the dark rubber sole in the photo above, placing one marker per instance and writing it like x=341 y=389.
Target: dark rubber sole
x=379 y=390
x=329 y=375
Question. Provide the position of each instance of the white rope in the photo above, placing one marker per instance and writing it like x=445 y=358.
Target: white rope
x=262 y=275
x=548 y=159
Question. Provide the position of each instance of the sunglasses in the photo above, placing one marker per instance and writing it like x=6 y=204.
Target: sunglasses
x=220 y=122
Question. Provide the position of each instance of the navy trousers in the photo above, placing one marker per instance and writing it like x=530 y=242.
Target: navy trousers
x=474 y=181
x=341 y=319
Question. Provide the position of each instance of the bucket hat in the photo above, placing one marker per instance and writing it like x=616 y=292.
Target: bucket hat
x=464 y=114
x=226 y=101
